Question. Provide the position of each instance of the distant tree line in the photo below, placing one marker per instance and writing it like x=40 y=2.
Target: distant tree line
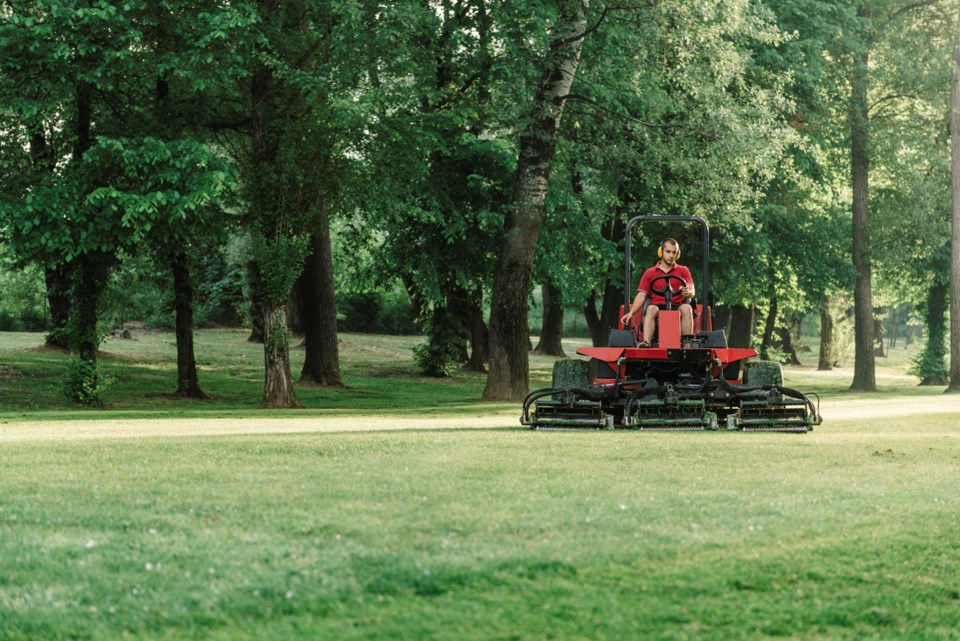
x=278 y=160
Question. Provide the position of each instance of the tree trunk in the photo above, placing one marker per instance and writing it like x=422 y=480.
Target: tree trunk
x=509 y=332
x=57 y=280
x=864 y=369
x=467 y=307
x=188 y=384
x=878 y=336
x=318 y=311
x=825 y=361
x=256 y=307
x=278 y=391
x=608 y=318
x=551 y=330
x=954 y=384
x=785 y=334
x=479 y=334
x=931 y=369
x=89 y=278
x=895 y=316
x=272 y=220
x=720 y=317
x=767 y=342
x=741 y=326
x=601 y=323
x=89 y=282
x=593 y=318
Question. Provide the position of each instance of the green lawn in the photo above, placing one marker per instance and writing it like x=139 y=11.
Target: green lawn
x=849 y=532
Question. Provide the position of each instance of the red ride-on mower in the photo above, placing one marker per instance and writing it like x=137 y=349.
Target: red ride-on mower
x=678 y=383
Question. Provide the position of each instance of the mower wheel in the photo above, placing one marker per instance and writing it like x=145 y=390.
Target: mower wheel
x=763 y=373
x=571 y=373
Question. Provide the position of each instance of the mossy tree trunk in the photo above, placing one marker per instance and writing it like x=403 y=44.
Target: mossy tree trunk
x=278 y=388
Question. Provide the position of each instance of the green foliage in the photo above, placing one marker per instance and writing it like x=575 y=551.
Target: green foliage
x=378 y=312
x=280 y=261
x=930 y=364
x=23 y=306
x=85 y=382
x=173 y=186
x=138 y=292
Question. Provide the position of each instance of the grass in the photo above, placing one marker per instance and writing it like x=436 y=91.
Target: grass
x=849 y=532
x=378 y=371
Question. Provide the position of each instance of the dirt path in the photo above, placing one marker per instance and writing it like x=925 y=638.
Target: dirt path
x=835 y=412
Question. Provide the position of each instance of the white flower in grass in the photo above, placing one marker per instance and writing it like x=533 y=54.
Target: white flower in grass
x=90 y=544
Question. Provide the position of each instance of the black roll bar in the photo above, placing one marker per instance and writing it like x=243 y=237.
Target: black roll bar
x=705 y=270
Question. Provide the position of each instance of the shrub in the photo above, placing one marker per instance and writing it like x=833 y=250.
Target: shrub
x=85 y=382
x=446 y=342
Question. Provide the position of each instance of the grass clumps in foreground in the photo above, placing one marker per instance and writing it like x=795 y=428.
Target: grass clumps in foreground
x=485 y=534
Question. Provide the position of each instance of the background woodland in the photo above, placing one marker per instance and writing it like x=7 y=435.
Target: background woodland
x=447 y=166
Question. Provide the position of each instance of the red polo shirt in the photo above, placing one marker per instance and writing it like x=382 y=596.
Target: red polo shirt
x=653 y=272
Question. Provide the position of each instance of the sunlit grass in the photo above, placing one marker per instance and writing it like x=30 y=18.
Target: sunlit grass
x=848 y=532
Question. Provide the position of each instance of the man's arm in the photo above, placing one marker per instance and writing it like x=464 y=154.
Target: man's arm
x=688 y=290
x=635 y=307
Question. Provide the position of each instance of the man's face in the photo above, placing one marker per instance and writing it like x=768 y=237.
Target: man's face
x=669 y=254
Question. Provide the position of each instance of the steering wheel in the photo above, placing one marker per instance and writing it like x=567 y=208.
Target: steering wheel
x=666 y=290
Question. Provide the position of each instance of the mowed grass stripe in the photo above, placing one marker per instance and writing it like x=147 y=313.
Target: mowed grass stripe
x=942 y=412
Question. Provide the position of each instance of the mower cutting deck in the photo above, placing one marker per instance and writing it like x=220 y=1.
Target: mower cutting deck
x=680 y=383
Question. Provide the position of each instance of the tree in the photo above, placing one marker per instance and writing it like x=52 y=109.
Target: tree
x=180 y=38
x=864 y=368
x=954 y=374
x=133 y=180
x=307 y=119
x=442 y=155
x=509 y=331
x=73 y=62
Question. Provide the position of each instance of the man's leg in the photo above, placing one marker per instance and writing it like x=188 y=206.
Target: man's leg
x=686 y=320
x=650 y=322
